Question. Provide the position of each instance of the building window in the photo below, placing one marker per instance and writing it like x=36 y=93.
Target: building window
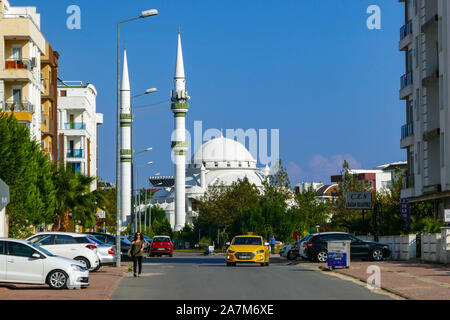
x=76 y=166
x=417 y=103
x=442 y=147
x=418 y=160
x=417 y=52
x=63 y=93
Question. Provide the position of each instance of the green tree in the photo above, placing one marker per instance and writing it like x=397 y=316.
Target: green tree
x=27 y=171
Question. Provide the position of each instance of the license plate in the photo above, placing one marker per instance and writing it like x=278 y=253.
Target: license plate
x=245 y=257
x=161 y=249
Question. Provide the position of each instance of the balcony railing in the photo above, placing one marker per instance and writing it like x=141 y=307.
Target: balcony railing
x=23 y=106
x=18 y=64
x=407 y=130
x=75 y=153
x=405 y=30
x=406 y=80
x=75 y=126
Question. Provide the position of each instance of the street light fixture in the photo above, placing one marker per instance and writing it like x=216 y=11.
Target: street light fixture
x=148 y=91
x=144 y=14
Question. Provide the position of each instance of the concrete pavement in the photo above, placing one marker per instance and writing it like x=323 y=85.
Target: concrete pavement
x=197 y=277
x=102 y=285
x=411 y=280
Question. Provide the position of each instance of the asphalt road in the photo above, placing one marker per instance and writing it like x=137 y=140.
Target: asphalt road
x=196 y=277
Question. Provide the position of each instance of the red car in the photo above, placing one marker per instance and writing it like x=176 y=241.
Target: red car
x=161 y=245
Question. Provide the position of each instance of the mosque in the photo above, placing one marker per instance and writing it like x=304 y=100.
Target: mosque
x=218 y=161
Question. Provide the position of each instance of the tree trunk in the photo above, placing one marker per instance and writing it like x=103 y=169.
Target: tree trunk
x=64 y=222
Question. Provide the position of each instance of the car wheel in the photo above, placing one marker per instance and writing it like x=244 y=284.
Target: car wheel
x=171 y=255
x=322 y=256
x=84 y=261
x=229 y=264
x=97 y=268
x=58 y=279
x=291 y=255
x=376 y=255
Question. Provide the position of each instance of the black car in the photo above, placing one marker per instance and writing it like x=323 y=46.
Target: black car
x=316 y=247
x=111 y=239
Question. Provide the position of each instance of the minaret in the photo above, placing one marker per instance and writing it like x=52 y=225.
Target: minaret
x=126 y=119
x=179 y=144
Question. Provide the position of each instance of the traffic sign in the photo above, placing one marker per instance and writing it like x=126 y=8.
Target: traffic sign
x=4 y=194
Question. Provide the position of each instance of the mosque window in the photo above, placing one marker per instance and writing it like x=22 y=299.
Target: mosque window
x=228 y=164
x=216 y=164
x=240 y=164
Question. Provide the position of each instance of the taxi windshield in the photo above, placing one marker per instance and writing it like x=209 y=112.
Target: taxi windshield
x=248 y=241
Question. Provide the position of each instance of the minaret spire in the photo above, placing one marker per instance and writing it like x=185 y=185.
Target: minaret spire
x=179 y=144
x=126 y=120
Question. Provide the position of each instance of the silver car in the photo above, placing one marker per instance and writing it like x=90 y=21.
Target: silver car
x=106 y=252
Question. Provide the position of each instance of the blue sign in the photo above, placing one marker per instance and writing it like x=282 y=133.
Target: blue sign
x=336 y=259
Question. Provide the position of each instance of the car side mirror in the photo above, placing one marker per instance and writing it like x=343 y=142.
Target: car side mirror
x=36 y=256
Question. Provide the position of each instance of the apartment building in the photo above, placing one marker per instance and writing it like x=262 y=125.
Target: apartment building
x=49 y=102
x=21 y=47
x=78 y=121
x=424 y=88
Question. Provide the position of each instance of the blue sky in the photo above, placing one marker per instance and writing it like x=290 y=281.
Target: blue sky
x=311 y=69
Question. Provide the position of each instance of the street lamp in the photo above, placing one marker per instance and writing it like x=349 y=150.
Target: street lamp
x=144 y=14
x=148 y=91
x=134 y=169
x=139 y=199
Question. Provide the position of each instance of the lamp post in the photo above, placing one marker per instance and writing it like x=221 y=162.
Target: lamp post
x=139 y=199
x=144 y=14
x=134 y=199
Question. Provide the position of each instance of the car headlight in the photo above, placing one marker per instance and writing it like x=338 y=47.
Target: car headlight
x=76 y=267
x=260 y=251
x=230 y=251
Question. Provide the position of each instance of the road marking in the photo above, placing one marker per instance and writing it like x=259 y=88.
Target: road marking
x=143 y=275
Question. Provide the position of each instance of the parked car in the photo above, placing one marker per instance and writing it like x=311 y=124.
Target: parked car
x=161 y=245
x=316 y=247
x=70 y=245
x=303 y=246
x=106 y=252
x=148 y=243
x=287 y=251
x=296 y=248
x=24 y=262
x=111 y=239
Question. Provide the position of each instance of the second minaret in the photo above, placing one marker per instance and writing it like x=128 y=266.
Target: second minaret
x=179 y=144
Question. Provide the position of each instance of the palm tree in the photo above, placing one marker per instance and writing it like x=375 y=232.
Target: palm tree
x=72 y=195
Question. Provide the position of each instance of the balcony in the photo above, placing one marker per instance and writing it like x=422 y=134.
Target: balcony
x=406 y=87
x=407 y=136
x=75 y=126
x=23 y=106
x=407 y=130
x=18 y=64
x=75 y=153
x=405 y=36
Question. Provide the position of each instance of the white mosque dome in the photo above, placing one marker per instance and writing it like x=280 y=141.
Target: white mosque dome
x=223 y=152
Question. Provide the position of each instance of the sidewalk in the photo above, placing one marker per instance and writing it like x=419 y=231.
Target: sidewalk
x=411 y=280
x=102 y=285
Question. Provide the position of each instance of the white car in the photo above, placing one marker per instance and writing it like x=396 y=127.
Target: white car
x=70 y=245
x=24 y=262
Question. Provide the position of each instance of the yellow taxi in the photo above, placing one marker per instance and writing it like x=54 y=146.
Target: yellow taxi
x=248 y=249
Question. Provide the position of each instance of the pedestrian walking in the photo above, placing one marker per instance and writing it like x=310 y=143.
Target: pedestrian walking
x=272 y=244
x=137 y=247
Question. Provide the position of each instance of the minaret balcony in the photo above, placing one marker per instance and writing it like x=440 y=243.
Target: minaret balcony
x=180 y=107
x=180 y=145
